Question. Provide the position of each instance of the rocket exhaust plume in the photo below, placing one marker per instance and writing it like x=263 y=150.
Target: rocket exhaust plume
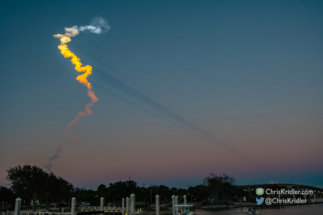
x=59 y=150
x=98 y=26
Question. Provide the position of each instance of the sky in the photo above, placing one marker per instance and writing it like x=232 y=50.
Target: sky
x=185 y=88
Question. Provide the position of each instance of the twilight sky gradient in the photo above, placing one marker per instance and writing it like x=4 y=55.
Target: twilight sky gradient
x=185 y=88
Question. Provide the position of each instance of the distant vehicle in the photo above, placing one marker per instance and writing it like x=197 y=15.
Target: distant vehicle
x=85 y=204
x=166 y=201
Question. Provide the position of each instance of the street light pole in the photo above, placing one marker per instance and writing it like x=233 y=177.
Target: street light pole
x=151 y=198
x=47 y=200
x=188 y=187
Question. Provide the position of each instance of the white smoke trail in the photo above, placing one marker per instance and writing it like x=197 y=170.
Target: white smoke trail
x=98 y=26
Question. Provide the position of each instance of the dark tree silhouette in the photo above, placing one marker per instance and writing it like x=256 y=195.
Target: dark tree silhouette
x=32 y=182
x=218 y=184
x=27 y=180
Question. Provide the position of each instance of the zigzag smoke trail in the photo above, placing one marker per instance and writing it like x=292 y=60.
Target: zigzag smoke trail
x=98 y=26
x=81 y=78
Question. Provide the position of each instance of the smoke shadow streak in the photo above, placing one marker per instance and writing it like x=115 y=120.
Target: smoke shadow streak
x=135 y=104
x=123 y=91
x=110 y=81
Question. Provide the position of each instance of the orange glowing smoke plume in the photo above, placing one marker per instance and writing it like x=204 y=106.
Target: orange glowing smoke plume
x=59 y=148
x=81 y=78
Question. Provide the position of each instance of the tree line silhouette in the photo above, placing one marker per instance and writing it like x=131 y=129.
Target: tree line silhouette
x=31 y=183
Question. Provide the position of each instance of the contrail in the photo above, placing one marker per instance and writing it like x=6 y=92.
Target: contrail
x=98 y=26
